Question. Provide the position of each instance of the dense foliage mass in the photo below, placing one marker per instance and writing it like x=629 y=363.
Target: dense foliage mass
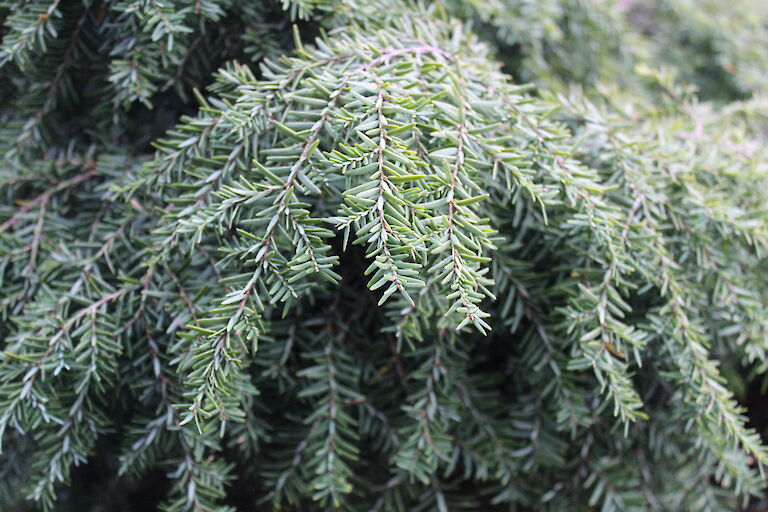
x=393 y=256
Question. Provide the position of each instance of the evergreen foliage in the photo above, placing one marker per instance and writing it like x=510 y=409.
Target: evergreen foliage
x=392 y=256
